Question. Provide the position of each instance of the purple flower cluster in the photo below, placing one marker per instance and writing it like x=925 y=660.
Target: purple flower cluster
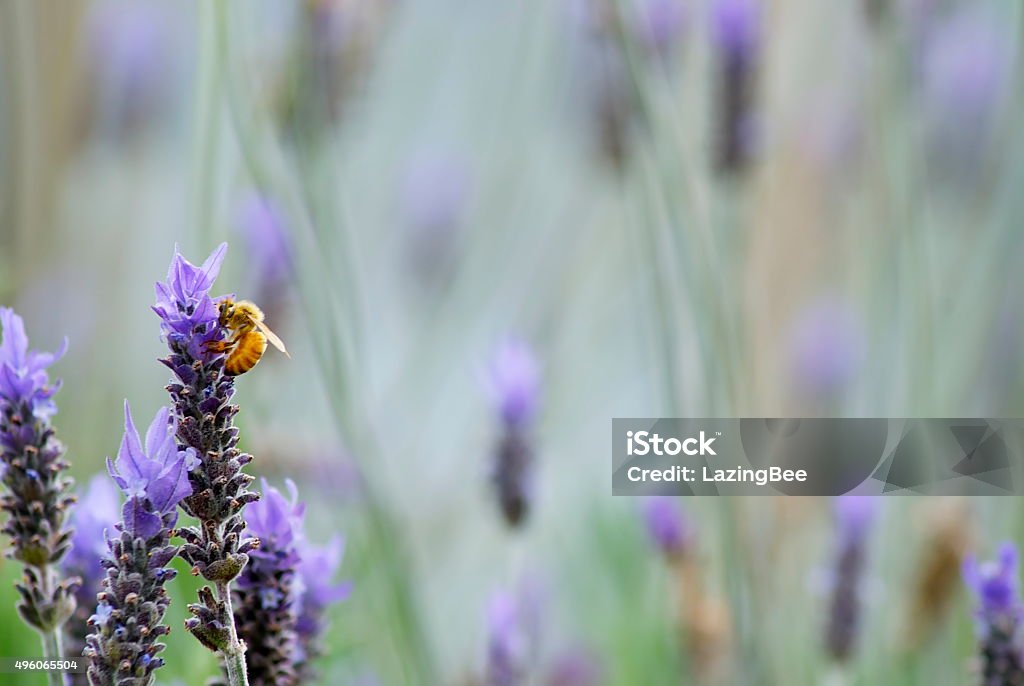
x=124 y=645
x=514 y=383
x=97 y=512
x=854 y=516
x=37 y=495
x=996 y=586
x=201 y=394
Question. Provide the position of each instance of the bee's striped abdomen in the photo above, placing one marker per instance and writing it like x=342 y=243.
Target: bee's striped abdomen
x=246 y=354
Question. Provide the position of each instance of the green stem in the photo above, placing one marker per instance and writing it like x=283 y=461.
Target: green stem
x=52 y=642
x=234 y=656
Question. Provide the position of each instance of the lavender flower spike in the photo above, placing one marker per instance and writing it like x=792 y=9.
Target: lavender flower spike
x=96 y=513
x=36 y=497
x=124 y=645
x=201 y=395
x=1000 y=611
x=854 y=515
x=514 y=384
x=266 y=595
x=318 y=566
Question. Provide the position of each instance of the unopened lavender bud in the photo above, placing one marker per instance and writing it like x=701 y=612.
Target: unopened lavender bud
x=514 y=385
x=996 y=587
x=854 y=516
x=124 y=647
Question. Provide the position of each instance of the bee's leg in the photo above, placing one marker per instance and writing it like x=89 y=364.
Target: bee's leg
x=222 y=346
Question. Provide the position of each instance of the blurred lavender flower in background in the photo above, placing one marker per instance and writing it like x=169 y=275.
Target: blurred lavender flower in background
x=134 y=51
x=967 y=66
x=435 y=191
x=260 y=223
x=124 y=644
x=827 y=346
x=36 y=498
x=660 y=24
x=996 y=588
x=513 y=382
x=854 y=516
x=318 y=567
x=97 y=511
x=575 y=667
x=667 y=527
x=507 y=642
x=736 y=39
x=266 y=593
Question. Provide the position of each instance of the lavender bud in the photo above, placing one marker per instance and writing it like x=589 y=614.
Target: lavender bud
x=201 y=393
x=37 y=495
x=736 y=36
x=318 y=566
x=514 y=385
x=97 y=511
x=124 y=645
x=854 y=515
x=266 y=594
x=667 y=528
x=997 y=589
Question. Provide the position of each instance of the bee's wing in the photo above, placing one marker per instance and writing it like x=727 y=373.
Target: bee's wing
x=272 y=337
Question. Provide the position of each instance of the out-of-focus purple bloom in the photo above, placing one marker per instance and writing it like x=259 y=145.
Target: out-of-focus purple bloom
x=187 y=312
x=827 y=346
x=667 y=527
x=97 y=512
x=267 y=595
x=507 y=643
x=317 y=591
x=854 y=515
x=660 y=23
x=575 y=667
x=154 y=478
x=124 y=644
x=132 y=47
x=23 y=377
x=996 y=587
x=736 y=27
x=967 y=65
x=514 y=382
x=261 y=224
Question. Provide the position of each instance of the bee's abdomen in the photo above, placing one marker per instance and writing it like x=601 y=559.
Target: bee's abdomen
x=247 y=353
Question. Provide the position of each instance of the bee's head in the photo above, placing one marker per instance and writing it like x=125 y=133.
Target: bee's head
x=227 y=308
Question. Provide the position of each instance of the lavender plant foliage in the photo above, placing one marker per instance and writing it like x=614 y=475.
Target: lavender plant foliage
x=854 y=515
x=318 y=567
x=266 y=593
x=201 y=394
x=124 y=646
x=997 y=589
x=514 y=385
x=97 y=512
x=37 y=495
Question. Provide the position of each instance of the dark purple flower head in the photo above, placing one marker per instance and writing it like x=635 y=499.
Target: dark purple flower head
x=277 y=522
x=996 y=586
x=23 y=377
x=660 y=23
x=513 y=380
x=827 y=346
x=318 y=567
x=187 y=312
x=154 y=477
x=736 y=27
x=261 y=223
x=667 y=527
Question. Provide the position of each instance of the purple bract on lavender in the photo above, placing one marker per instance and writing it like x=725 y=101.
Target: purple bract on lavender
x=513 y=381
x=124 y=646
x=267 y=591
x=37 y=491
x=996 y=587
x=201 y=394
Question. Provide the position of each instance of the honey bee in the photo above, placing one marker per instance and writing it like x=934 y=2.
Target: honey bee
x=245 y=348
